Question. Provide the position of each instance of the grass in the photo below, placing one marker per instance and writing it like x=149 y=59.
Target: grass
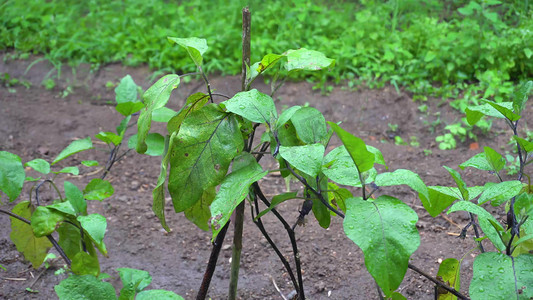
x=452 y=49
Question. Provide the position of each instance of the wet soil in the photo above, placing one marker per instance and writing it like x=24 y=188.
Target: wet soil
x=39 y=123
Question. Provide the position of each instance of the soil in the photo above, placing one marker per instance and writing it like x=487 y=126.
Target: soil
x=39 y=123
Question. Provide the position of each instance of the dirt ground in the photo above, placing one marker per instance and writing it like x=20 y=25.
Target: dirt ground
x=39 y=123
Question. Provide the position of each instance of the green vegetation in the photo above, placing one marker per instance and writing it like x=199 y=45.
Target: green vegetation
x=455 y=48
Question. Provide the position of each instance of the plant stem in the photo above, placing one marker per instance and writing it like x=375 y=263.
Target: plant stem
x=239 y=211
x=212 y=264
x=50 y=237
x=444 y=286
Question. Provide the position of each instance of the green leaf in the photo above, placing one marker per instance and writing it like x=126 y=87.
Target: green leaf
x=437 y=200
x=521 y=94
x=90 y=163
x=498 y=276
x=98 y=189
x=449 y=273
x=85 y=264
x=506 y=112
x=33 y=248
x=85 y=287
x=275 y=201
x=527 y=146
x=163 y=114
x=338 y=196
x=95 y=225
x=158 y=194
x=109 y=138
x=68 y=170
x=303 y=59
x=338 y=165
x=12 y=175
x=495 y=160
x=199 y=213
x=129 y=108
x=500 y=192
x=397 y=296
x=378 y=156
x=205 y=145
x=158 y=294
x=286 y=115
x=133 y=282
x=64 y=207
x=310 y=125
x=385 y=230
x=123 y=126
x=44 y=221
x=126 y=91
x=252 y=105
x=363 y=159
x=195 y=47
x=320 y=211
x=306 y=158
x=233 y=189
x=75 y=197
x=474 y=113
x=154 y=142
x=478 y=161
x=269 y=61
x=400 y=177
x=155 y=97
x=74 y=147
x=460 y=183
x=69 y=239
x=194 y=102
x=39 y=165
x=487 y=222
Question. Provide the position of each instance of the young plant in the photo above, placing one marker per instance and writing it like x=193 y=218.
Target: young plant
x=211 y=165
x=81 y=235
x=507 y=272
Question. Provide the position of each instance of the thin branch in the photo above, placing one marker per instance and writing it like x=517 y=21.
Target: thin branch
x=222 y=95
x=204 y=77
x=50 y=238
x=292 y=237
x=319 y=195
x=444 y=286
x=212 y=264
x=259 y=224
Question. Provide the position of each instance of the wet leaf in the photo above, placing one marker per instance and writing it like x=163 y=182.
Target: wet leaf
x=233 y=189
x=155 y=97
x=33 y=248
x=85 y=264
x=86 y=287
x=39 y=165
x=400 y=177
x=68 y=170
x=44 y=221
x=158 y=294
x=98 y=189
x=500 y=192
x=75 y=197
x=385 y=231
x=498 y=276
x=74 y=147
x=129 y=108
x=495 y=160
x=95 y=226
x=275 y=201
x=303 y=59
x=12 y=175
x=199 y=213
x=460 y=183
x=269 y=61
x=202 y=151
x=363 y=159
x=195 y=47
x=126 y=91
x=524 y=144
x=306 y=158
x=474 y=113
x=521 y=94
x=163 y=114
x=158 y=194
x=310 y=125
x=69 y=239
x=252 y=105
x=194 y=102
x=155 y=144
x=449 y=273
x=133 y=282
